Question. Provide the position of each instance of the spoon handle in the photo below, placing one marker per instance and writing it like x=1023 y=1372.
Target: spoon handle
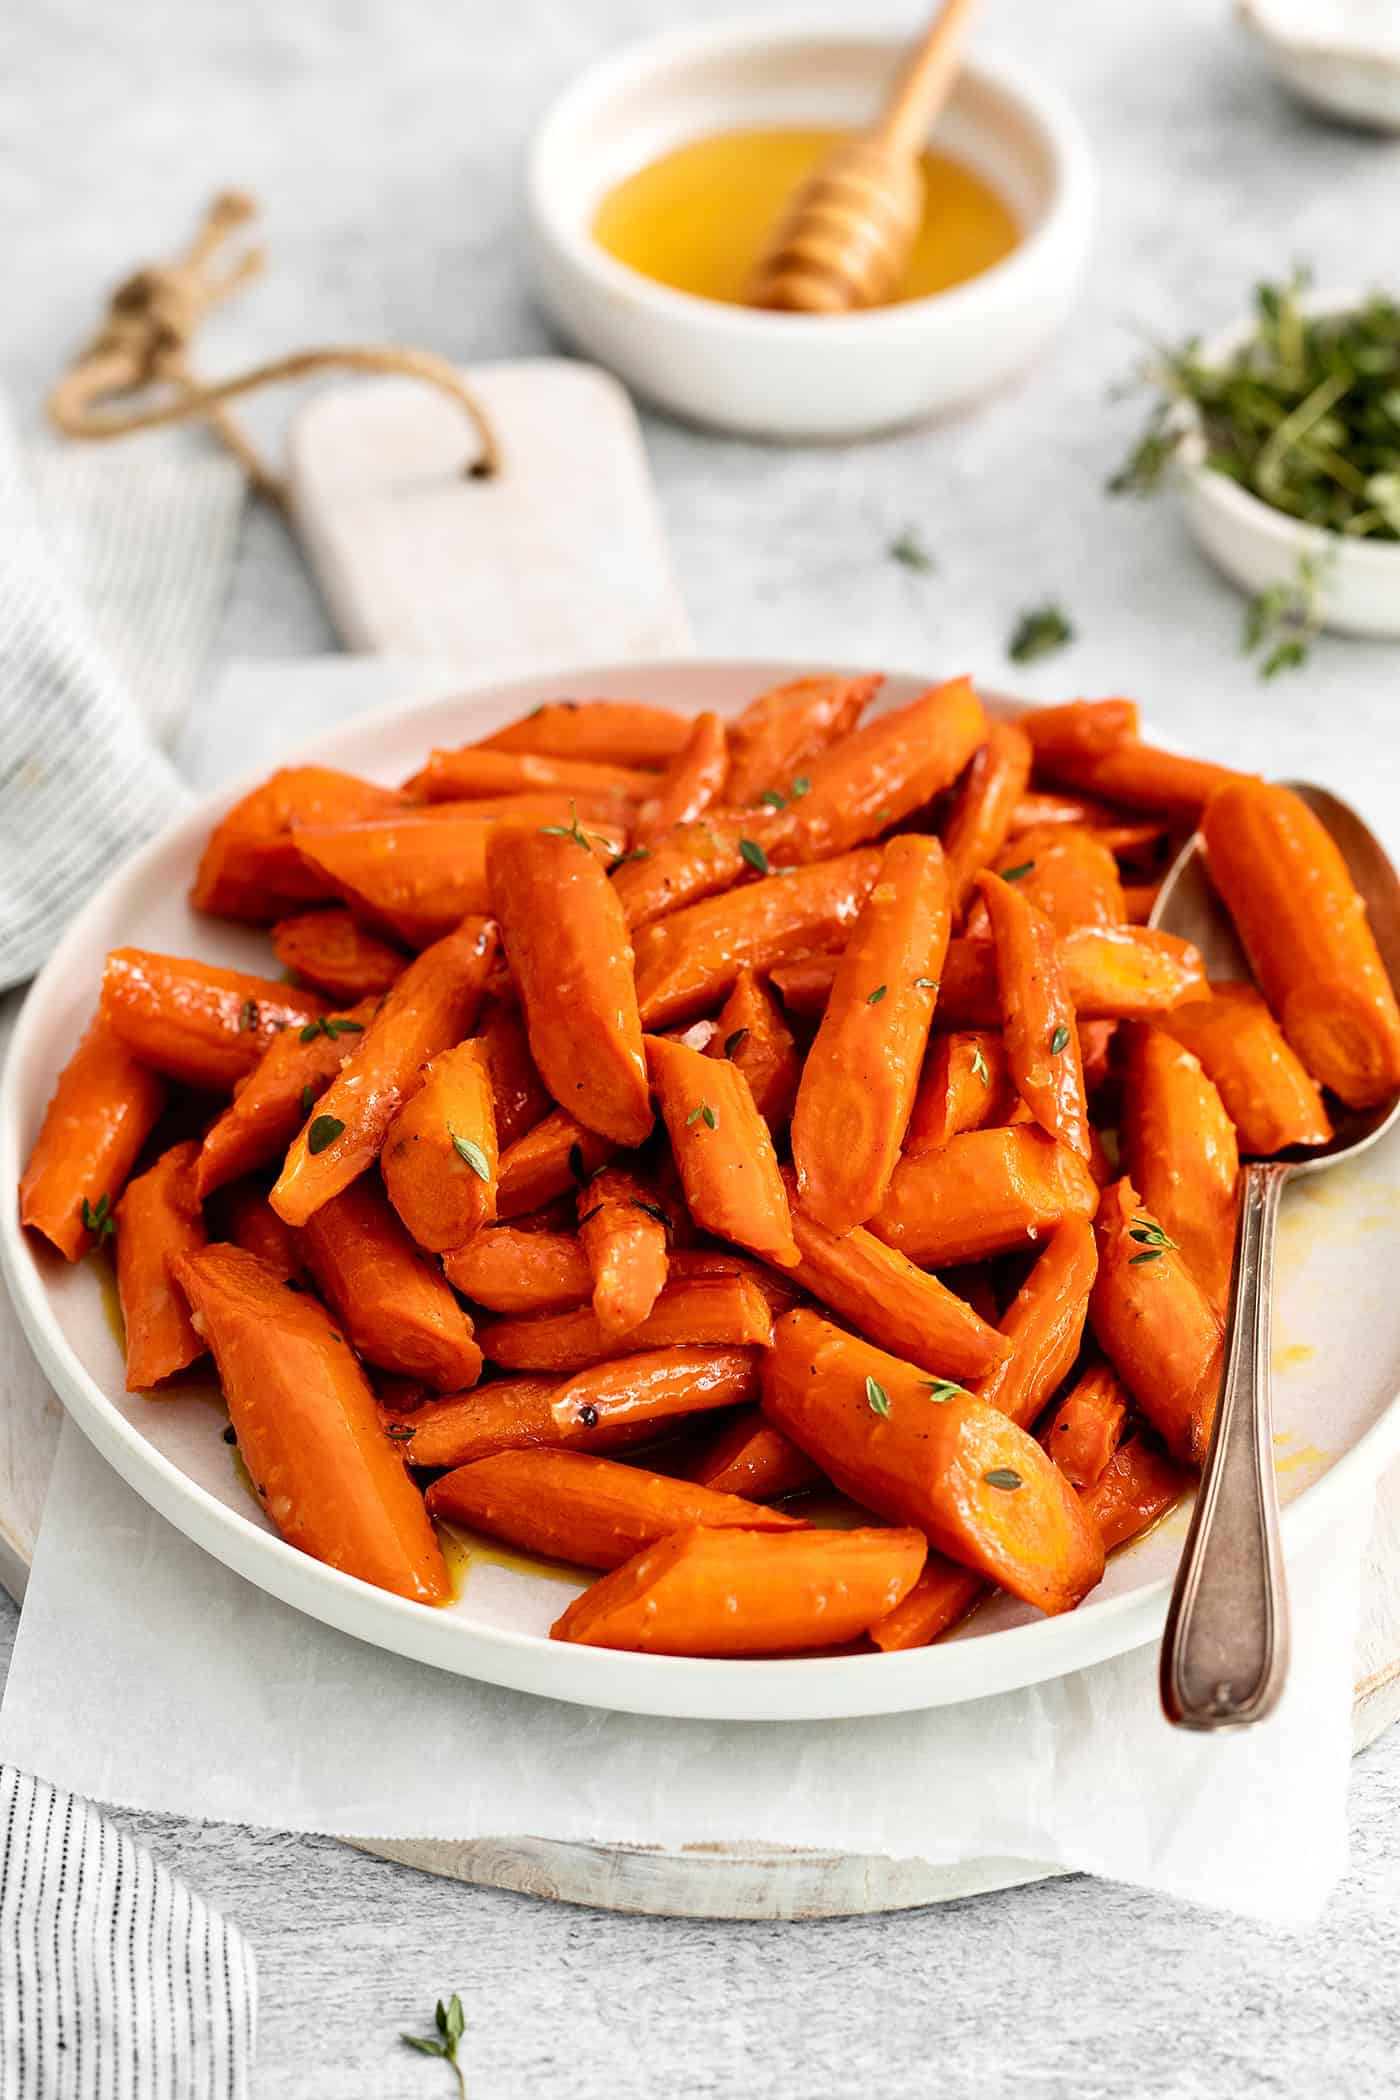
x=1225 y=1649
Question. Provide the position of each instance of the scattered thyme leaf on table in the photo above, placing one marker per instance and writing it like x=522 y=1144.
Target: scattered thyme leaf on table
x=909 y=549
x=450 y=2023
x=1039 y=632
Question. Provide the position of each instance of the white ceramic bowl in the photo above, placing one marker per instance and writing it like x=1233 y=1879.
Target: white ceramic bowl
x=1258 y=547
x=795 y=376
x=1342 y=58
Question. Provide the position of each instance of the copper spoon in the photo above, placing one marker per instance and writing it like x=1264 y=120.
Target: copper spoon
x=1225 y=1648
x=845 y=238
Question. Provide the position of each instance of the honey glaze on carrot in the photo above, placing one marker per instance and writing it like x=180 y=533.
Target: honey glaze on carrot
x=464 y=1550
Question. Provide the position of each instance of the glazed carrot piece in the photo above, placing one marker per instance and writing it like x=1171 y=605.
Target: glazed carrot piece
x=653 y=1387
x=690 y=783
x=103 y=1109
x=1045 y=1324
x=406 y=875
x=1038 y=1023
x=1155 y=1324
x=980 y=818
x=623 y=1232
x=1080 y=729
x=158 y=1222
x=510 y=1271
x=750 y=1457
x=979 y=1488
x=1039 y=809
x=336 y=956
x=1139 y=901
x=966 y=1084
x=511 y=1414
x=1179 y=1151
x=440 y=1160
x=804 y=984
x=694 y=861
x=252 y=1224
x=1303 y=925
x=986 y=1192
x=890 y=1301
x=519 y=1097
x=1141 y=777
x=1084 y=1431
x=778 y=1286
x=1068 y=874
x=549 y=1161
x=251 y=869
x=394 y=1306
x=472 y=773
x=269 y=1106
x=943 y=1594
x=889 y=768
x=688 y=961
x=592 y=1511
x=1137 y=1486
x=695 y=1312
x=723 y=1150
x=1270 y=1098
x=612 y=732
x=203 y=1026
x=567 y=944
x=780 y=729
x=862 y=1072
x=431 y=1007
x=753 y=1036
x=711 y=1592
x=308 y=1429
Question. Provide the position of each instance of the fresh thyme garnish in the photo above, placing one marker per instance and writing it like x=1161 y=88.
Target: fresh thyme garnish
x=469 y=1150
x=324 y=1131
x=877 y=1399
x=1002 y=1477
x=753 y=853
x=885 y=815
x=1151 y=1238
x=653 y=1210
x=874 y=998
x=1039 y=633
x=773 y=799
x=330 y=1026
x=308 y=1099
x=981 y=1069
x=910 y=549
x=702 y=1111
x=248 y=1015
x=576 y=1165
x=590 y=1214
x=1059 y=1040
x=735 y=1041
x=1285 y=620
x=450 y=2022
x=637 y=853
x=97 y=1217
x=945 y=1389
x=573 y=830
x=1022 y=867
x=401 y=1432
x=801 y=786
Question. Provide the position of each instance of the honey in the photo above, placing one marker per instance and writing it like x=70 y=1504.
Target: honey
x=698 y=218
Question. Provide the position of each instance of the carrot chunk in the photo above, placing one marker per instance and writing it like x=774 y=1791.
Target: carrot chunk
x=339 y=958
x=473 y=773
x=609 y=732
x=394 y=1306
x=549 y=1161
x=1038 y=1022
x=966 y=1084
x=158 y=1222
x=654 y=1386
x=1085 y=1430
x=695 y=1312
x=723 y=1150
x=1045 y=1324
x=981 y=814
x=1270 y=1098
x=753 y=1036
x=103 y=1109
x=690 y=783
x=251 y=869
x=623 y=1231
x=889 y=768
x=440 y=1160
x=750 y=1457
x=271 y=1104
x=986 y=1192
x=513 y=1271
x=776 y=732
x=1179 y=1151
x=1155 y=1324
x=201 y=1025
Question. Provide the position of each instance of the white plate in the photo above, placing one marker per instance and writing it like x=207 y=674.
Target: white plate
x=1340 y=1249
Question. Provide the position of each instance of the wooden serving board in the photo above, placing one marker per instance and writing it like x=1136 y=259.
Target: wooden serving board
x=562 y=559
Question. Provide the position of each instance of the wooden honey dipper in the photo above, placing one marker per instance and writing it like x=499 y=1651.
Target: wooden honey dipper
x=845 y=238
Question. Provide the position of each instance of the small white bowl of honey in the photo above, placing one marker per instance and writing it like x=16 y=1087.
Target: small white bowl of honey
x=657 y=177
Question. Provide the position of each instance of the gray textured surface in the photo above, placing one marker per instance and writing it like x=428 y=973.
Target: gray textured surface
x=386 y=143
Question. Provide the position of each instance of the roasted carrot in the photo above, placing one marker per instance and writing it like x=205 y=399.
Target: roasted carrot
x=694 y=861
x=549 y=1161
x=251 y=1223
x=748 y=1456
x=778 y=1286
x=158 y=1222
x=655 y=1386
x=1038 y=1021
x=1078 y=730
x=966 y=1084
x=510 y=1414
x=776 y=732
x=591 y=1511
x=1270 y=1098
x=103 y=1109
x=328 y=950
x=712 y=1312
x=406 y=874
x=1140 y=777
x=1067 y=873
x=980 y=817
x=889 y=768
x=1137 y=1486
x=986 y=1192
x=623 y=1233
x=753 y=1036
x=440 y=1160
x=1045 y=1324
x=519 y=1097
x=392 y=1303
x=892 y=1303
x=690 y=783
x=203 y=1026
x=1179 y=1150
x=567 y=944
x=271 y=1104
x=1155 y=1324
x=862 y=1072
x=689 y=960
x=611 y=732
x=943 y=1594
x=919 y=1452
x=473 y=773
x=308 y=1429
x=251 y=869
x=1084 y=1432
x=710 y=1592
x=723 y=1149
x=1303 y=926
x=431 y=1007
x=510 y=1271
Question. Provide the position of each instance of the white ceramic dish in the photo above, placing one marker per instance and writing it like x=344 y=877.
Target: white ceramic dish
x=1341 y=57
x=1341 y=1245
x=1259 y=547
x=792 y=376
